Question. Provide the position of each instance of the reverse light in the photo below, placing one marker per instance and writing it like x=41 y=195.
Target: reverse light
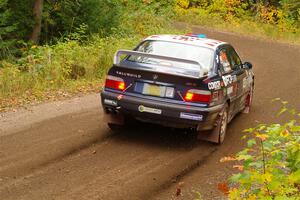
x=114 y=82
x=194 y=95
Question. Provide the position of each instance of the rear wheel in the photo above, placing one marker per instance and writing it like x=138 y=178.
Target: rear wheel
x=221 y=127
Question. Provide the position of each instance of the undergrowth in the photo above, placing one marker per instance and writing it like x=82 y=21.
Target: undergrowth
x=269 y=167
x=77 y=62
x=238 y=16
x=74 y=64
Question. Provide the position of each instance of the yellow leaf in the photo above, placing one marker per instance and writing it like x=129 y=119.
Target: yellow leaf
x=263 y=137
x=267 y=177
x=252 y=197
x=284 y=133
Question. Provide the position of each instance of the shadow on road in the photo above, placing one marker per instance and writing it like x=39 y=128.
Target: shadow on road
x=159 y=137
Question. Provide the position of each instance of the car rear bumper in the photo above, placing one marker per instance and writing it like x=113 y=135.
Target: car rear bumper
x=153 y=111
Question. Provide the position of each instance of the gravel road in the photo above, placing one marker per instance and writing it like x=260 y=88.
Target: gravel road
x=63 y=150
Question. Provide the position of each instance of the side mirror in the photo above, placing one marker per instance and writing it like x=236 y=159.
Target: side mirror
x=247 y=65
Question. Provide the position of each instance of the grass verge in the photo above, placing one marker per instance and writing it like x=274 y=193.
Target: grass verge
x=247 y=26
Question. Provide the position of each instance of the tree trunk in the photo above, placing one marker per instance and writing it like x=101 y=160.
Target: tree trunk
x=37 y=12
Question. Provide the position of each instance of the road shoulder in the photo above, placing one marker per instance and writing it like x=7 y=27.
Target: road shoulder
x=23 y=118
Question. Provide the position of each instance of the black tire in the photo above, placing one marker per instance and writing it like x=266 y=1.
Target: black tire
x=221 y=127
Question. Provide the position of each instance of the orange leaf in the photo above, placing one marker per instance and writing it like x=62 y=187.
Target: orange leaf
x=226 y=159
x=239 y=167
x=223 y=187
x=263 y=137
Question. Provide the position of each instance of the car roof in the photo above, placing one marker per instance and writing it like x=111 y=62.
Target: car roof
x=191 y=39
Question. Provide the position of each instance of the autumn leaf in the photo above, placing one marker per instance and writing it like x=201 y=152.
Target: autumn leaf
x=263 y=137
x=239 y=167
x=178 y=192
x=284 y=133
x=178 y=189
x=227 y=159
x=223 y=187
x=267 y=177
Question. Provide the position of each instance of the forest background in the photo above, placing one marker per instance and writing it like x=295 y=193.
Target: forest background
x=53 y=49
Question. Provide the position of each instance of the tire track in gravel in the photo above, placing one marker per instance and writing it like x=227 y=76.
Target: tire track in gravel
x=74 y=156
x=55 y=161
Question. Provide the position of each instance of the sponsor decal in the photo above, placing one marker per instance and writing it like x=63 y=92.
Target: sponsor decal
x=245 y=83
x=228 y=79
x=214 y=85
x=128 y=74
x=142 y=108
x=190 y=116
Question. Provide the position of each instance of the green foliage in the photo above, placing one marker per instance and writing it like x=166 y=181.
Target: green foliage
x=79 y=37
x=22 y=16
x=64 y=16
x=75 y=60
x=66 y=65
x=6 y=28
x=79 y=18
x=273 y=19
x=271 y=162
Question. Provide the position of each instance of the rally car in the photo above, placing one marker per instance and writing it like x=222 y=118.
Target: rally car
x=182 y=81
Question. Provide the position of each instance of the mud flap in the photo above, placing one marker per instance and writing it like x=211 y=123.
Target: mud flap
x=210 y=136
x=246 y=110
x=113 y=119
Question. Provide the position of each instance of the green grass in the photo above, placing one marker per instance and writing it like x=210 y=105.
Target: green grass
x=247 y=26
x=45 y=72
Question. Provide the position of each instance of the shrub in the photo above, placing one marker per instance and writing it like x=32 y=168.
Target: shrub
x=270 y=165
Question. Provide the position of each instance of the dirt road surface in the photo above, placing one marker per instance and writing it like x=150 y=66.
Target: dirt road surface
x=63 y=150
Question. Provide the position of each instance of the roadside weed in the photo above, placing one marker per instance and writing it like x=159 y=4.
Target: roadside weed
x=269 y=167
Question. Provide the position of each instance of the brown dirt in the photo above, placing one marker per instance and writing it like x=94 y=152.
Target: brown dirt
x=62 y=150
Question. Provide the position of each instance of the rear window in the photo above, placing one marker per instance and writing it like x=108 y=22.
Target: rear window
x=202 y=55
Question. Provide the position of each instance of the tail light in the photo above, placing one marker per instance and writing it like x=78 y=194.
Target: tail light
x=114 y=82
x=194 y=95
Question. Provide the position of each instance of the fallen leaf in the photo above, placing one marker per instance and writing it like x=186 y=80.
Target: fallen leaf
x=227 y=159
x=239 y=167
x=178 y=192
x=223 y=187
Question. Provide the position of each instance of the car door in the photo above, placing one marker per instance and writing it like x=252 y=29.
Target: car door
x=232 y=76
x=239 y=73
